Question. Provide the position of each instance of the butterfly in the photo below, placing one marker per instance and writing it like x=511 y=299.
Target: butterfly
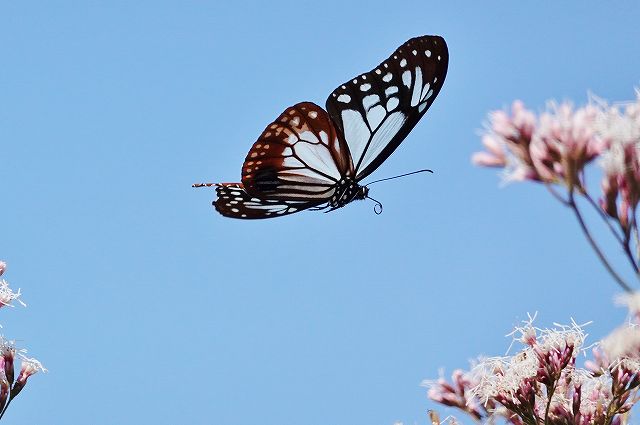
x=311 y=158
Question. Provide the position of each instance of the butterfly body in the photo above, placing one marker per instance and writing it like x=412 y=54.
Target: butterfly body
x=312 y=158
x=347 y=190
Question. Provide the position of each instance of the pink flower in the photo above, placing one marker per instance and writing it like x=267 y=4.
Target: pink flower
x=3 y=267
x=564 y=142
x=30 y=366
x=495 y=155
x=456 y=394
x=8 y=353
x=621 y=181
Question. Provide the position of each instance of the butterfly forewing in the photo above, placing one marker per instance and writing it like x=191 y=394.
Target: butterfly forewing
x=233 y=201
x=297 y=157
x=375 y=111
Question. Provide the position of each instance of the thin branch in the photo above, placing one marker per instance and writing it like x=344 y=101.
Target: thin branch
x=550 y=392
x=604 y=217
x=594 y=245
x=555 y=194
x=624 y=242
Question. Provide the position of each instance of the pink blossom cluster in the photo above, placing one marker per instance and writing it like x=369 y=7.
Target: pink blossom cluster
x=556 y=145
x=555 y=148
x=10 y=385
x=541 y=384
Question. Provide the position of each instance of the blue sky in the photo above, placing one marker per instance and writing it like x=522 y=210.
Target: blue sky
x=148 y=307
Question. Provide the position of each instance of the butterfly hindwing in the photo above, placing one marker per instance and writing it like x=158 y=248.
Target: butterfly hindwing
x=297 y=157
x=233 y=201
x=375 y=111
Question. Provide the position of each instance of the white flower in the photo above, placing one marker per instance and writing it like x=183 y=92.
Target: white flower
x=619 y=125
x=30 y=366
x=503 y=375
x=7 y=295
x=629 y=300
x=623 y=342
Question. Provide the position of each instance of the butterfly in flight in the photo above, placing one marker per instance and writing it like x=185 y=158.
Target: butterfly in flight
x=309 y=158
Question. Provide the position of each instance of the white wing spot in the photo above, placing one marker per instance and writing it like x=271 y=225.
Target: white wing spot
x=403 y=63
x=386 y=66
x=295 y=122
x=369 y=101
x=435 y=80
x=406 y=78
x=365 y=87
x=378 y=72
x=235 y=210
x=344 y=87
x=422 y=106
x=392 y=104
x=287 y=152
x=425 y=91
x=344 y=98
x=312 y=114
x=376 y=115
x=391 y=90
x=417 y=88
x=427 y=53
x=438 y=57
x=364 y=77
x=355 y=131
x=395 y=57
x=355 y=81
x=415 y=52
x=387 y=77
x=387 y=130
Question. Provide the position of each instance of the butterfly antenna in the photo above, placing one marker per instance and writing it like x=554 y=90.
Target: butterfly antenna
x=377 y=208
x=401 y=175
x=203 y=184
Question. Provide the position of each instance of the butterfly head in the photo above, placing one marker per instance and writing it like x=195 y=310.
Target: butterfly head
x=363 y=192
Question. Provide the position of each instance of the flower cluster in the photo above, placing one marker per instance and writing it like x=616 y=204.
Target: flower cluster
x=10 y=385
x=541 y=384
x=555 y=147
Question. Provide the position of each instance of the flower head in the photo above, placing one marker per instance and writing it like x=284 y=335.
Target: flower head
x=564 y=142
x=507 y=140
x=7 y=295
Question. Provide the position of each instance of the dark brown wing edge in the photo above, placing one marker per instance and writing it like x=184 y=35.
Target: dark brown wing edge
x=234 y=202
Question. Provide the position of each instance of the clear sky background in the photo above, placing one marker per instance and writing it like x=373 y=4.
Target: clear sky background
x=148 y=307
